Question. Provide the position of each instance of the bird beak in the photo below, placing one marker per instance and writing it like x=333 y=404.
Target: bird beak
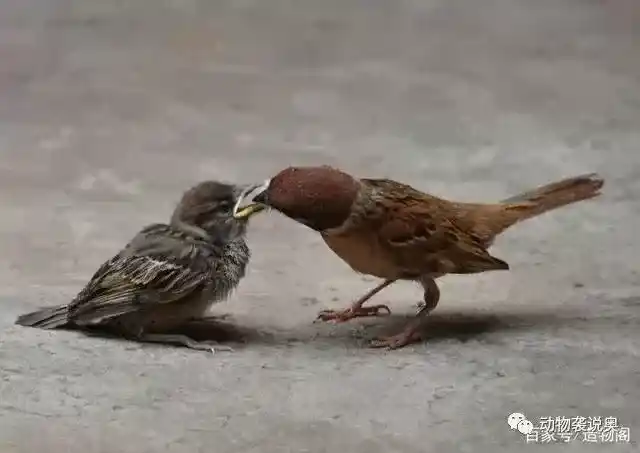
x=257 y=203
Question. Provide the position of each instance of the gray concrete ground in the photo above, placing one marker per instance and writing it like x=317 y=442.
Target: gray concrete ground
x=109 y=109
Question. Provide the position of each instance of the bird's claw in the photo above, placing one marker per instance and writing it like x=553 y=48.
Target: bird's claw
x=396 y=341
x=209 y=346
x=183 y=340
x=350 y=313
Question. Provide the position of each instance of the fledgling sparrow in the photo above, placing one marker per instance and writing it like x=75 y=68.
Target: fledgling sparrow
x=166 y=276
x=392 y=231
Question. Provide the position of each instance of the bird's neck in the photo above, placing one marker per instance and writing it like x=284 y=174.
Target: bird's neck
x=359 y=206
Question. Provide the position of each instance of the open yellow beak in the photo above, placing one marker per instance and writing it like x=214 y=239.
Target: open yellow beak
x=249 y=210
x=244 y=212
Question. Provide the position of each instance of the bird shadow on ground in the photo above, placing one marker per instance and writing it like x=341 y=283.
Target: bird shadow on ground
x=461 y=327
x=210 y=329
x=488 y=325
x=438 y=327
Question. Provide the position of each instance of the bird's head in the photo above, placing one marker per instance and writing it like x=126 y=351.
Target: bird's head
x=318 y=197
x=209 y=206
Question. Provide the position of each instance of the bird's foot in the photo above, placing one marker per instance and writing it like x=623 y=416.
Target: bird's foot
x=183 y=340
x=408 y=336
x=209 y=346
x=351 y=313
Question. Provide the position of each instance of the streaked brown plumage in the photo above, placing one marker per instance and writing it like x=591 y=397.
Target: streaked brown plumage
x=166 y=276
x=392 y=231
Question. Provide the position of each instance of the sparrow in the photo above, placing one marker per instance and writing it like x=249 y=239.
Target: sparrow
x=166 y=276
x=393 y=231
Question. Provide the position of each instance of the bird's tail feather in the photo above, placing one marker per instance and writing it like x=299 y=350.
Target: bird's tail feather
x=46 y=318
x=551 y=196
x=489 y=220
x=560 y=193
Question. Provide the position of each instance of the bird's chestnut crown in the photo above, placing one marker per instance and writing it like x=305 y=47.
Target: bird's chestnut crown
x=319 y=197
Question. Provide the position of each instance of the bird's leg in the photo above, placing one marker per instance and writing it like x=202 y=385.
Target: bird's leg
x=356 y=310
x=411 y=332
x=183 y=340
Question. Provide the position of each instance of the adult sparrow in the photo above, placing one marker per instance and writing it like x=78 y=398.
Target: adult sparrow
x=392 y=231
x=166 y=276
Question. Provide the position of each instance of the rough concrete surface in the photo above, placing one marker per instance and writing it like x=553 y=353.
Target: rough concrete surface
x=110 y=109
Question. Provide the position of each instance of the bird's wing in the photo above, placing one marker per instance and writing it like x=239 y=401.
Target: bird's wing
x=158 y=266
x=419 y=232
